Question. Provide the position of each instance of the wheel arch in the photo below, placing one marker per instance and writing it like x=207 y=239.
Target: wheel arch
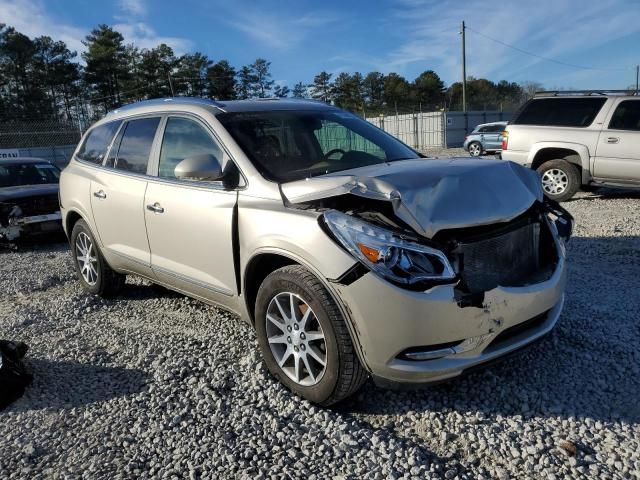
x=575 y=154
x=267 y=260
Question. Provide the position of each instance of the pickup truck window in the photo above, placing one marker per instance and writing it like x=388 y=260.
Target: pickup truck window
x=626 y=116
x=560 y=112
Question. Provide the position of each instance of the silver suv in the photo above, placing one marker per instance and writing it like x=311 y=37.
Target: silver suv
x=576 y=139
x=348 y=252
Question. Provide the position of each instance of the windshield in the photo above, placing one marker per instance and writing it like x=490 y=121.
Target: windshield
x=292 y=145
x=14 y=175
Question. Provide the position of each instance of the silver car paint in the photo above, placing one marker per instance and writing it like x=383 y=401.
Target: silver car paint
x=382 y=319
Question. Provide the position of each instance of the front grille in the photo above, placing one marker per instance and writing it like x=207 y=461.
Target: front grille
x=508 y=259
x=41 y=205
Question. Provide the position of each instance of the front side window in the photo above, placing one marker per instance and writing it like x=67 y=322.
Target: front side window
x=626 y=116
x=184 y=138
x=135 y=145
x=14 y=175
x=560 y=112
x=95 y=145
x=292 y=145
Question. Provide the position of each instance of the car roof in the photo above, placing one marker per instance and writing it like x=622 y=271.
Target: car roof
x=22 y=160
x=252 y=105
x=491 y=123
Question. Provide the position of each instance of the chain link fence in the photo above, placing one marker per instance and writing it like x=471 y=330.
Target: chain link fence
x=52 y=140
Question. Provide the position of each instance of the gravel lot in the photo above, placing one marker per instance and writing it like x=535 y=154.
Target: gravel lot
x=153 y=384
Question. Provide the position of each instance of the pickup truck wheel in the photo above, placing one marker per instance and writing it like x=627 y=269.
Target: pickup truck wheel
x=560 y=180
x=475 y=149
x=304 y=339
x=95 y=275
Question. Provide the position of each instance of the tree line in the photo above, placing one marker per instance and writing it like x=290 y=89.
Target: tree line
x=41 y=77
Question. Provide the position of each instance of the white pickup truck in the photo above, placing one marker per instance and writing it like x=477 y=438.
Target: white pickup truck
x=576 y=139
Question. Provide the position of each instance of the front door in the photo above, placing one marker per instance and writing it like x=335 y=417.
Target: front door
x=189 y=223
x=117 y=197
x=618 y=152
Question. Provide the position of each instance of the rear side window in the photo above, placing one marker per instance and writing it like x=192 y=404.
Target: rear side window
x=135 y=145
x=95 y=145
x=626 y=116
x=560 y=112
x=184 y=138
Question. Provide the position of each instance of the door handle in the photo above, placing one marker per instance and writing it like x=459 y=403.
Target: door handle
x=155 y=208
x=100 y=194
x=613 y=139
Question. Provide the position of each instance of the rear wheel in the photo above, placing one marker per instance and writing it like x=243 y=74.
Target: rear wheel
x=475 y=149
x=95 y=275
x=304 y=339
x=560 y=179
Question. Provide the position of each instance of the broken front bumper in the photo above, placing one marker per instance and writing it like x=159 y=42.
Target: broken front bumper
x=391 y=324
x=35 y=224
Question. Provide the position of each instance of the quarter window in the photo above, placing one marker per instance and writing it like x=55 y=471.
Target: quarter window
x=626 y=116
x=98 y=139
x=135 y=146
x=184 y=138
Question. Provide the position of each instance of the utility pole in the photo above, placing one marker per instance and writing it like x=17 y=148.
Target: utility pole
x=464 y=69
x=637 y=77
x=170 y=84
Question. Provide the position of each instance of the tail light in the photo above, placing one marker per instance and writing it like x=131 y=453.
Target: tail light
x=505 y=139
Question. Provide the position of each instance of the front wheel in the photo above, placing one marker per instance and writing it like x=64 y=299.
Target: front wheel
x=475 y=149
x=560 y=179
x=94 y=273
x=304 y=338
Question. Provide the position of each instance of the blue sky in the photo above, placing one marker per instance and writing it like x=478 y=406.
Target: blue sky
x=303 y=37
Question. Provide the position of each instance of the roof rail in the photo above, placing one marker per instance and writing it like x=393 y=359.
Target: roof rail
x=557 y=93
x=169 y=100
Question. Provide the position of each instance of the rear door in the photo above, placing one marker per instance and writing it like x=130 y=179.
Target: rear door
x=618 y=149
x=189 y=223
x=492 y=137
x=117 y=195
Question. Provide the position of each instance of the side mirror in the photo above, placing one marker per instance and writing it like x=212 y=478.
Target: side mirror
x=199 y=167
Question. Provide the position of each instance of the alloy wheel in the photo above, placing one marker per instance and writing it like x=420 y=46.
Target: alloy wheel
x=475 y=150
x=87 y=259
x=296 y=339
x=555 y=181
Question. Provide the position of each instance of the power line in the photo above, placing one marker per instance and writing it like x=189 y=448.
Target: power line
x=572 y=65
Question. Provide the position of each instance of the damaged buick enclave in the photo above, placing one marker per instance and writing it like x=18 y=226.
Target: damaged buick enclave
x=349 y=252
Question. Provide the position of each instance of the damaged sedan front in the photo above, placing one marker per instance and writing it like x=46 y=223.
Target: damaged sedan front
x=29 y=203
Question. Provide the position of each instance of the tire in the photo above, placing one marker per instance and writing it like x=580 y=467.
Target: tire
x=560 y=179
x=342 y=374
x=99 y=278
x=475 y=149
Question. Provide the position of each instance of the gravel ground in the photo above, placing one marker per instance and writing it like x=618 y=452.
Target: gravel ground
x=153 y=384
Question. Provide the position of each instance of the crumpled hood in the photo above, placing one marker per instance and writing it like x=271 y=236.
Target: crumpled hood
x=23 y=191
x=433 y=195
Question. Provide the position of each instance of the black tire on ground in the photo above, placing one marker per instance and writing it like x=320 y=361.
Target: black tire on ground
x=566 y=170
x=343 y=374
x=107 y=281
x=475 y=149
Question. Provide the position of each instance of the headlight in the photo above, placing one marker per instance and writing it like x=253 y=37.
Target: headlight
x=387 y=253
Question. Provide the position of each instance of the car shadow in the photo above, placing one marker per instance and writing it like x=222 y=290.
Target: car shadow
x=586 y=368
x=604 y=193
x=61 y=385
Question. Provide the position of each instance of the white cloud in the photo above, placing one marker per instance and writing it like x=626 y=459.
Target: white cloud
x=29 y=17
x=280 y=31
x=137 y=8
x=143 y=36
x=551 y=28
